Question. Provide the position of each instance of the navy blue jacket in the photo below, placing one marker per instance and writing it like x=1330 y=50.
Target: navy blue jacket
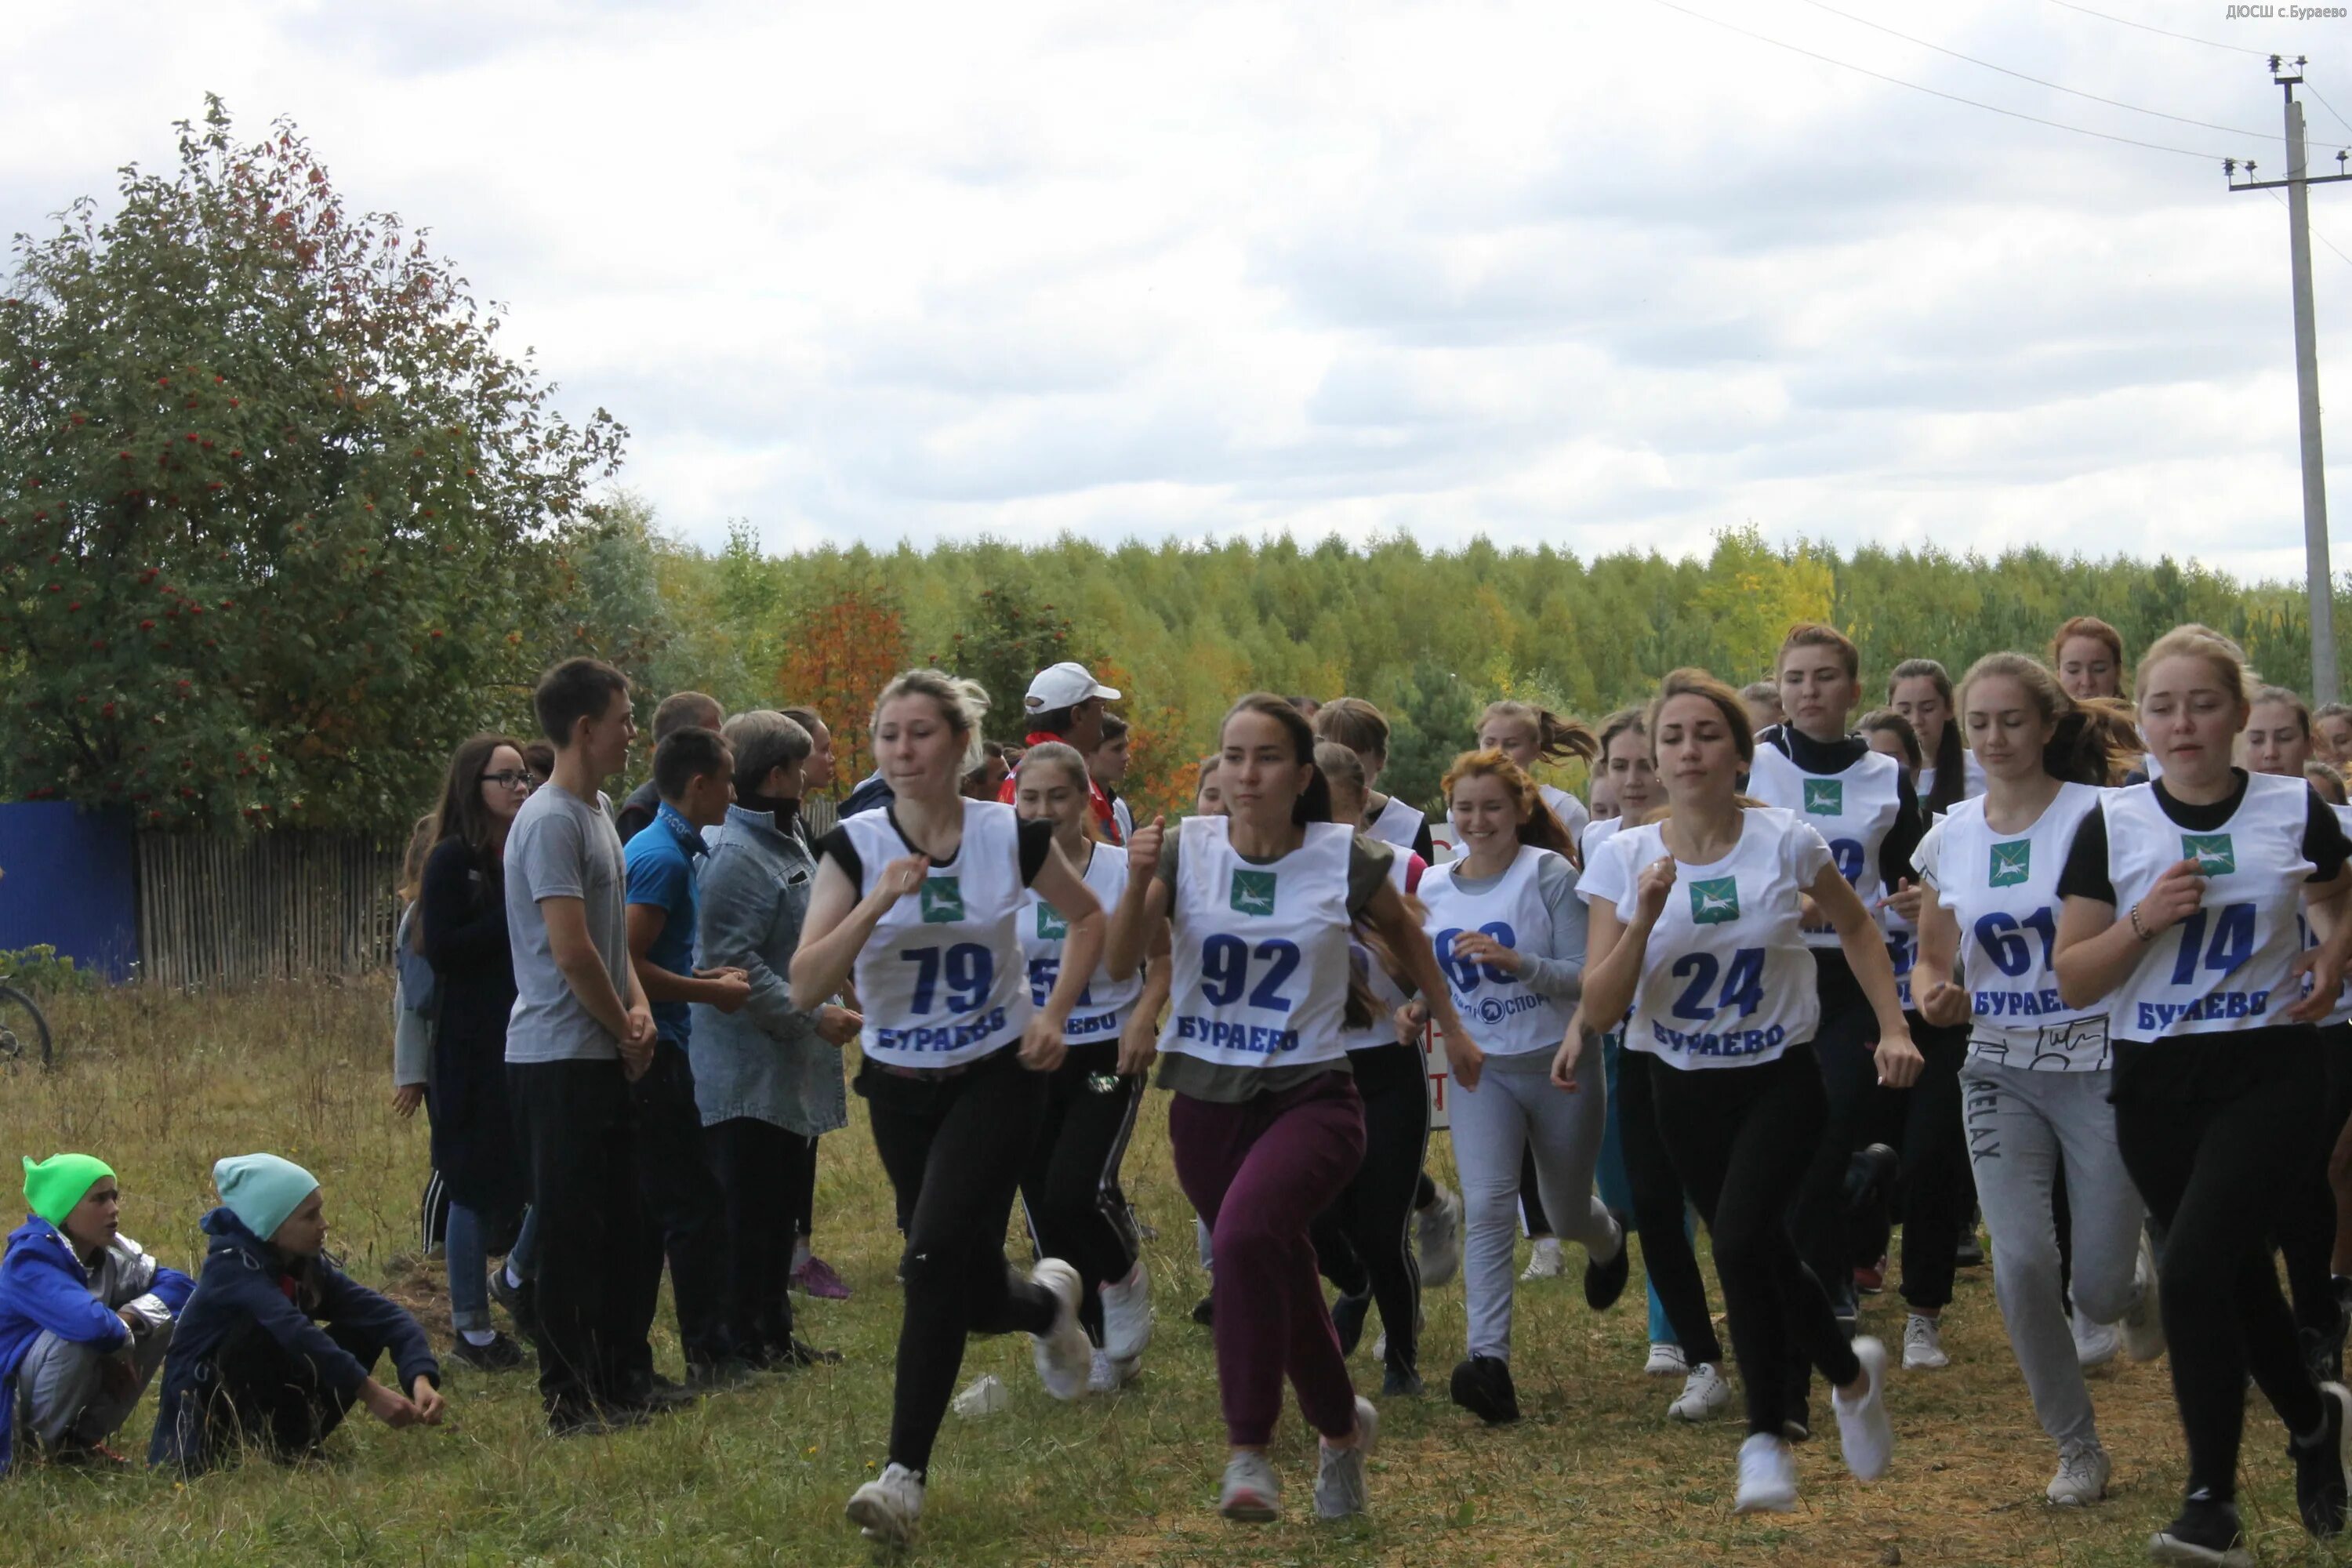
x=247 y=1282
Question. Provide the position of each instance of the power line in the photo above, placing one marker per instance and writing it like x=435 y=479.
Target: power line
x=2143 y=26
x=2037 y=81
x=2325 y=104
x=2317 y=235
x=1938 y=92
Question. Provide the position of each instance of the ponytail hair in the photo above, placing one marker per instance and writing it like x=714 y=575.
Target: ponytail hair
x=962 y=704
x=1314 y=802
x=1537 y=824
x=2092 y=743
x=1952 y=759
x=1557 y=739
x=2327 y=779
x=1343 y=775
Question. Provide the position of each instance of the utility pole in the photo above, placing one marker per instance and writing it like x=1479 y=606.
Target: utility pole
x=2288 y=75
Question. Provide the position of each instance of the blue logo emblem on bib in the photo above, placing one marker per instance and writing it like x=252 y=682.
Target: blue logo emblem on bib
x=2011 y=864
x=1253 y=892
x=1715 y=901
x=942 y=901
x=1825 y=797
x=1051 y=926
x=2213 y=852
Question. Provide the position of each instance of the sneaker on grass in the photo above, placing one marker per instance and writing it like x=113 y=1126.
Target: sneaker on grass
x=1341 y=1490
x=885 y=1508
x=1866 y=1436
x=1063 y=1353
x=1923 y=1343
x=1437 y=1236
x=2205 y=1534
x=1126 y=1314
x=1545 y=1263
x=1482 y=1385
x=2082 y=1477
x=1767 y=1476
x=1706 y=1395
x=1666 y=1360
x=2143 y=1326
x=2321 y=1482
x=1252 y=1493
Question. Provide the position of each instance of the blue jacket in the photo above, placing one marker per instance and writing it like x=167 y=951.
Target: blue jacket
x=45 y=1288
x=247 y=1282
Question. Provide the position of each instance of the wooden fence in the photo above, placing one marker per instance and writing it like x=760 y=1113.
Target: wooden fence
x=279 y=905
x=228 y=912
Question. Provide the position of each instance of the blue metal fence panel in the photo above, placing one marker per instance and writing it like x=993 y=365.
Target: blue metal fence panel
x=68 y=880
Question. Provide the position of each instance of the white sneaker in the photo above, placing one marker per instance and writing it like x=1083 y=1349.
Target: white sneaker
x=1063 y=1353
x=1340 y=1489
x=1706 y=1395
x=1252 y=1492
x=2095 y=1343
x=2144 y=1324
x=1545 y=1264
x=1437 y=1232
x=1923 y=1344
x=1110 y=1374
x=885 y=1508
x=1767 y=1476
x=1666 y=1360
x=1126 y=1314
x=1866 y=1436
x=2082 y=1477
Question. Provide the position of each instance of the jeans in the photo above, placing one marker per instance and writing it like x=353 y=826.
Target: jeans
x=465 y=1245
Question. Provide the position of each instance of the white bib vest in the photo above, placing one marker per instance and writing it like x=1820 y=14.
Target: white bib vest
x=2225 y=967
x=1103 y=1006
x=1508 y=1018
x=2343 y=1013
x=1397 y=823
x=2002 y=889
x=1386 y=994
x=1727 y=979
x=1260 y=958
x=1854 y=810
x=942 y=979
x=1571 y=812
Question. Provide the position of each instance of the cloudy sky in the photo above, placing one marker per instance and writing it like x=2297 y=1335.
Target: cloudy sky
x=1592 y=274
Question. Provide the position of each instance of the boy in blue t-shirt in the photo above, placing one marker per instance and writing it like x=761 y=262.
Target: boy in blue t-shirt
x=694 y=775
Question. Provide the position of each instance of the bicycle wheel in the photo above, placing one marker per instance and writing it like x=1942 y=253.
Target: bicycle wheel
x=24 y=1033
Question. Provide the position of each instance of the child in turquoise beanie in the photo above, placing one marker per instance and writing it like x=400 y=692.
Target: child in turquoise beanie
x=279 y=1344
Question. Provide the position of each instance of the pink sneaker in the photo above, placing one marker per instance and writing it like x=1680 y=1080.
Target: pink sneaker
x=814 y=1277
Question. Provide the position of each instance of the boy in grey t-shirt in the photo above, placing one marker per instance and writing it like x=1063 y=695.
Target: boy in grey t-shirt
x=562 y=847
x=581 y=1030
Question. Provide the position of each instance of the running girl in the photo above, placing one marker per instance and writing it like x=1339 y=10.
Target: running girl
x=2088 y=654
x=2038 y=1073
x=1921 y=691
x=1528 y=734
x=1266 y=1125
x=1508 y=932
x=2218 y=1083
x=1071 y=1187
x=1697 y=927
x=919 y=902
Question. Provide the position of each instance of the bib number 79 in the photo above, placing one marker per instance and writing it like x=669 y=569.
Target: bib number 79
x=969 y=969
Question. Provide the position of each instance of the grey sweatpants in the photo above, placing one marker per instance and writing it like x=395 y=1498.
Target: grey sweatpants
x=1516 y=1108
x=61 y=1388
x=2021 y=1125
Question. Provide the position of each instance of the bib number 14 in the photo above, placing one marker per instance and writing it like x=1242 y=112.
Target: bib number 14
x=2232 y=942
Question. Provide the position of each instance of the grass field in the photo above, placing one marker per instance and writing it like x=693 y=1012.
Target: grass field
x=162 y=1085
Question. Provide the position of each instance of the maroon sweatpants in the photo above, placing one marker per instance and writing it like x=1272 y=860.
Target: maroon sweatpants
x=1259 y=1172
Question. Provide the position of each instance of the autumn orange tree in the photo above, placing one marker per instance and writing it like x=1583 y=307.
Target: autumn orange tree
x=842 y=648
x=279 y=520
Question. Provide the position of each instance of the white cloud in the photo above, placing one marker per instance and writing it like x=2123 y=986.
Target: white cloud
x=1582 y=275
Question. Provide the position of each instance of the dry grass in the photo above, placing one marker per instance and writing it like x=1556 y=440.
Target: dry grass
x=162 y=1085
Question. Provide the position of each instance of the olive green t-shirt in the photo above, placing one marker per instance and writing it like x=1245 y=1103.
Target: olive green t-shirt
x=1368 y=869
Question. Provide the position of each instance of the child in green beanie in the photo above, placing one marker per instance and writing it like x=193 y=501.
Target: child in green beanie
x=278 y=1343
x=85 y=1315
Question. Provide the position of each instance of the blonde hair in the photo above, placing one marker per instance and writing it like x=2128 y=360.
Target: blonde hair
x=962 y=703
x=1557 y=739
x=1815 y=633
x=1355 y=724
x=2291 y=700
x=1343 y=770
x=2224 y=657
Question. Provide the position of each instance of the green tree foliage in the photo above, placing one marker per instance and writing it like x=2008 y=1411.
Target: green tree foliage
x=278 y=522
x=1430 y=638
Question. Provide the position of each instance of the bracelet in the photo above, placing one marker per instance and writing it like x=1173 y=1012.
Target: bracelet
x=2138 y=929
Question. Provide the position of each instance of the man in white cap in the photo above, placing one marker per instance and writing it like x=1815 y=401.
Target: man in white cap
x=1065 y=704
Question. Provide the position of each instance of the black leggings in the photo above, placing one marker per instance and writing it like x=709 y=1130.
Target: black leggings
x=1740 y=1138
x=1843 y=1045
x=1372 y=1216
x=1070 y=1189
x=2221 y=1172
x=953 y=1147
x=1658 y=1200
x=1925 y=1124
x=760 y=1167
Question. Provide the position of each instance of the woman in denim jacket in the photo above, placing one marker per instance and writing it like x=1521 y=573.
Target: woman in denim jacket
x=768 y=1079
